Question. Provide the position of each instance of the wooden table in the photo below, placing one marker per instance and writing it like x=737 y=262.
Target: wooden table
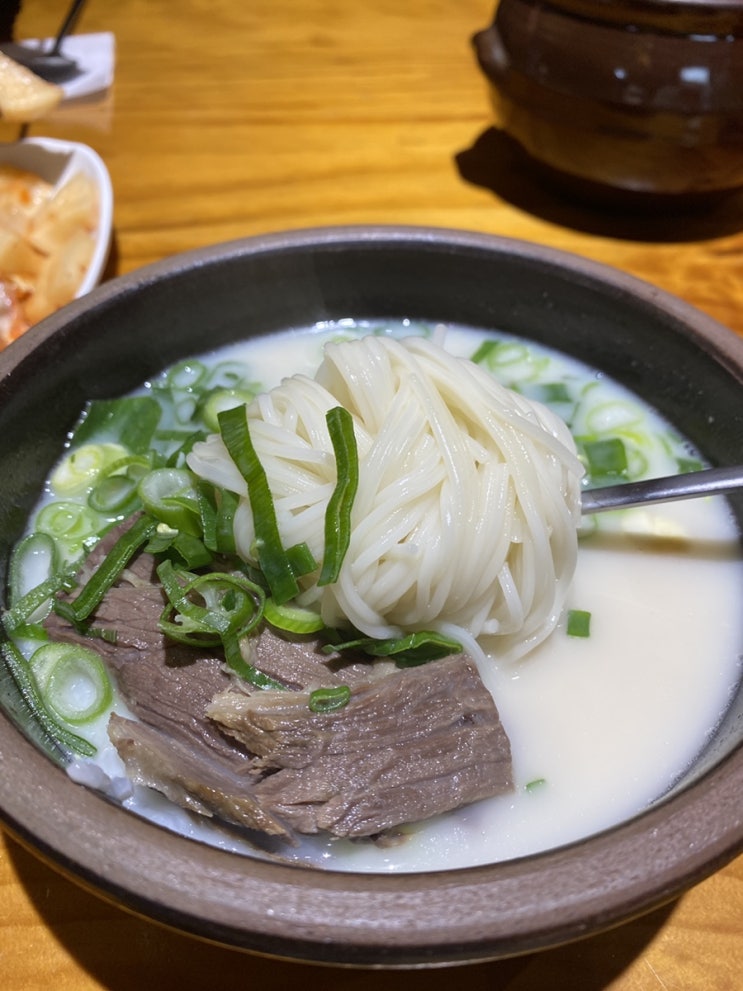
x=228 y=119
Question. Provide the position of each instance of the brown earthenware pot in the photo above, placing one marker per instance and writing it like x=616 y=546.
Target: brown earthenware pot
x=641 y=98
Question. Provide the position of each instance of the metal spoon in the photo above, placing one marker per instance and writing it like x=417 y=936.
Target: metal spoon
x=51 y=65
x=693 y=484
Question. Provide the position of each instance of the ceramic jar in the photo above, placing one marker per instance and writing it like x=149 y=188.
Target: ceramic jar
x=643 y=97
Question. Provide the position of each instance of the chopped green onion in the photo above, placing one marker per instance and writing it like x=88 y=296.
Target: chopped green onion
x=107 y=572
x=292 y=619
x=247 y=672
x=688 y=464
x=551 y=393
x=484 y=352
x=578 y=623
x=301 y=559
x=115 y=490
x=73 y=682
x=185 y=376
x=329 y=699
x=24 y=609
x=408 y=651
x=338 y=512
x=191 y=551
x=169 y=494
x=613 y=417
x=233 y=605
x=33 y=560
x=272 y=557
x=222 y=399
x=20 y=672
x=217 y=513
x=82 y=466
x=69 y=523
x=535 y=785
x=130 y=421
x=186 y=441
x=606 y=458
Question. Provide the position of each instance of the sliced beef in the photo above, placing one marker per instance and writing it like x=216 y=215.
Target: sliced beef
x=192 y=777
x=409 y=744
x=426 y=739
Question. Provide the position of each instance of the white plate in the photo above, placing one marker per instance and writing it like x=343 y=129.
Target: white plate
x=56 y=162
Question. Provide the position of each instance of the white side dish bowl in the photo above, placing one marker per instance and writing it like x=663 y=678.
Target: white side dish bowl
x=56 y=162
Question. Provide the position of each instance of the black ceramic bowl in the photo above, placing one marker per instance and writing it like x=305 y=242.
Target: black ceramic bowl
x=128 y=329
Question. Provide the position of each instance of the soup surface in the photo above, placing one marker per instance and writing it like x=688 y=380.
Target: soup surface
x=600 y=725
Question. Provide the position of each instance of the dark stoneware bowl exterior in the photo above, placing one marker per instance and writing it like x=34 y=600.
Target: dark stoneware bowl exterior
x=642 y=97
x=128 y=329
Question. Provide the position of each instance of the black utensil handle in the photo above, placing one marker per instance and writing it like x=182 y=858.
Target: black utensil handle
x=67 y=25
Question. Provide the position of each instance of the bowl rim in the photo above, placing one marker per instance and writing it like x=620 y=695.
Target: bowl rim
x=380 y=920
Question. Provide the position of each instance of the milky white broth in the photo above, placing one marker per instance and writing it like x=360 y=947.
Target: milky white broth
x=600 y=726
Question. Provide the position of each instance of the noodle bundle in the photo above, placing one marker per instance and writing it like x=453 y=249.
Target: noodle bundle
x=465 y=518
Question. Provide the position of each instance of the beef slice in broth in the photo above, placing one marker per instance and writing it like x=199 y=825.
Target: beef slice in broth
x=409 y=744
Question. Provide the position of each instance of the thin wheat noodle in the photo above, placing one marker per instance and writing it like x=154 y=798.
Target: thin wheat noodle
x=468 y=501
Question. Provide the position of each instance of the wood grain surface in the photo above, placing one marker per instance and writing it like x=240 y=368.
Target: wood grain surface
x=231 y=118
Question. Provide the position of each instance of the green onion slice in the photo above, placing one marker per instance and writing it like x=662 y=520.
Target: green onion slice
x=273 y=559
x=19 y=670
x=221 y=399
x=329 y=699
x=210 y=607
x=34 y=560
x=338 y=512
x=606 y=458
x=170 y=496
x=291 y=618
x=73 y=681
x=68 y=522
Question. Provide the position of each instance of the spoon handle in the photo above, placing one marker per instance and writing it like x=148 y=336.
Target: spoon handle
x=688 y=486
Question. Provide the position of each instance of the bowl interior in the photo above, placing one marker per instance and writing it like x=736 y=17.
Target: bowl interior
x=690 y=368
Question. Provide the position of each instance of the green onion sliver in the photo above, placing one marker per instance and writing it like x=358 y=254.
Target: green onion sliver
x=39 y=598
x=273 y=559
x=73 y=681
x=69 y=522
x=247 y=672
x=416 y=648
x=233 y=605
x=338 y=512
x=108 y=571
x=83 y=466
x=329 y=699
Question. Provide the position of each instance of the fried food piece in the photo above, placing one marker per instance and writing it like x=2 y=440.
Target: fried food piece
x=24 y=96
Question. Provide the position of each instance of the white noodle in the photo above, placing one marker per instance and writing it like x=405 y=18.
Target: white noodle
x=465 y=519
